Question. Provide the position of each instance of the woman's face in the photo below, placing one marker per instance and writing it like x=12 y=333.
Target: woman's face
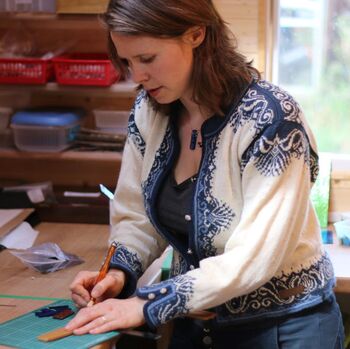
x=162 y=66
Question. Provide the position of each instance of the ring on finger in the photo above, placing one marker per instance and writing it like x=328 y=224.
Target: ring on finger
x=104 y=320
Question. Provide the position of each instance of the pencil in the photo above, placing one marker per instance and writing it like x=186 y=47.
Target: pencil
x=104 y=269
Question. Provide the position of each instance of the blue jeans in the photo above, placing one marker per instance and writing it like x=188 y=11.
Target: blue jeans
x=320 y=327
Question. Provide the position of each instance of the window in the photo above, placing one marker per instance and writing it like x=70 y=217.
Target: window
x=312 y=62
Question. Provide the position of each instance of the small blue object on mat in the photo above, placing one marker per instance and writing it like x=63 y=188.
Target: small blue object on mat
x=22 y=332
x=49 y=311
x=46 y=312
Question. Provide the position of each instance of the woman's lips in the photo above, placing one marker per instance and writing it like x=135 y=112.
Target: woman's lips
x=154 y=91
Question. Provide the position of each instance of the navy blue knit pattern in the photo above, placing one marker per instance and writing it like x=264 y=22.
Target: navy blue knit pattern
x=134 y=134
x=268 y=298
x=213 y=214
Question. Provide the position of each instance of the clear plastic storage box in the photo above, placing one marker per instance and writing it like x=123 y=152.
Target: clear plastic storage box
x=112 y=121
x=6 y=139
x=45 y=130
x=5 y=114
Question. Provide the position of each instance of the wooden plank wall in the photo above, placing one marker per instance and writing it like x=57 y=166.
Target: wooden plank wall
x=247 y=20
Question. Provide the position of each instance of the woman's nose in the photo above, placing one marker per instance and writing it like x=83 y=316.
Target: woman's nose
x=139 y=75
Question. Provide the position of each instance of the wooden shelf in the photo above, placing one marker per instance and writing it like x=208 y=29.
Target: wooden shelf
x=7 y=17
x=122 y=89
x=85 y=33
x=69 y=168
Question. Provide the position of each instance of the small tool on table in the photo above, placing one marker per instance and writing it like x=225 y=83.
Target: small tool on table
x=106 y=192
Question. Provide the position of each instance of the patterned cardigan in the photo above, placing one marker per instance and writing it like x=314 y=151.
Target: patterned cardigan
x=254 y=248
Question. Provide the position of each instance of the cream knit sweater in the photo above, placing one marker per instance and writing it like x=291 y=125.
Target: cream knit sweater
x=254 y=249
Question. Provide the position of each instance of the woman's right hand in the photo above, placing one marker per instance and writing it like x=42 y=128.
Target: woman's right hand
x=83 y=287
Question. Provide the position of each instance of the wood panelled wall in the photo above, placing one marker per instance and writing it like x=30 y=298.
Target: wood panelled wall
x=247 y=21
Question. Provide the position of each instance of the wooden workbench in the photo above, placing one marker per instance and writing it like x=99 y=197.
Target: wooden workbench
x=88 y=241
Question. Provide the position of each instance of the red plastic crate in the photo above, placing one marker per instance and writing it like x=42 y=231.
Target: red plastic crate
x=94 y=69
x=25 y=70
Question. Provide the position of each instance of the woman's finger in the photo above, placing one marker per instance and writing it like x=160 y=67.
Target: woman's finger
x=98 y=323
x=104 y=325
x=84 y=316
x=109 y=287
x=79 y=301
x=81 y=291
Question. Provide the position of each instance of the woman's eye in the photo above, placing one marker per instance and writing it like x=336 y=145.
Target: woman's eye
x=147 y=59
x=125 y=62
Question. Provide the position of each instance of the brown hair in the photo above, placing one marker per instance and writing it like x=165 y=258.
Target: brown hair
x=217 y=63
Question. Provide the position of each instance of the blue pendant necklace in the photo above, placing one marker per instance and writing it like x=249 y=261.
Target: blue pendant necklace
x=194 y=136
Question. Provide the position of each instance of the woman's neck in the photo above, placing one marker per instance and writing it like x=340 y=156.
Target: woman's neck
x=193 y=112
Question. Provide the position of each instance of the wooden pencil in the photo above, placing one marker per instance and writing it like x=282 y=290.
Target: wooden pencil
x=104 y=269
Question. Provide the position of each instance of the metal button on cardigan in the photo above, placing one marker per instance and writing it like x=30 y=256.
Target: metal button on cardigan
x=207 y=340
x=188 y=218
x=151 y=296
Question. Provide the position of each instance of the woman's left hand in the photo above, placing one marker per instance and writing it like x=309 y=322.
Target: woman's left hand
x=109 y=315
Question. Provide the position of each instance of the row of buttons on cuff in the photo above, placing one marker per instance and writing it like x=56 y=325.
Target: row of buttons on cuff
x=189 y=251
x=152 y=295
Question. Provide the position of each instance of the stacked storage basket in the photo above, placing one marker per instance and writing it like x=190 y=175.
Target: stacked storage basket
x=85 y=69
x=94 y=69
x=25 y=70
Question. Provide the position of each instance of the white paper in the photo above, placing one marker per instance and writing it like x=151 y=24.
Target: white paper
x=37 y=192
x=36 y=195
x=7 y=215
x=81 y=194
x=22 y=237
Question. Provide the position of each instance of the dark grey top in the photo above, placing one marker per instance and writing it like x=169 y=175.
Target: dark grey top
x=174 y=206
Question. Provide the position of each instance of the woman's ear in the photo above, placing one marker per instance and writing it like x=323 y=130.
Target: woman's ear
x=195 y=36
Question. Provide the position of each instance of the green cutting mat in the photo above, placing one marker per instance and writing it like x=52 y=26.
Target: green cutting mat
x=22 y=332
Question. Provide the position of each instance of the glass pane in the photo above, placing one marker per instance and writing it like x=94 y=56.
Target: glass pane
x=313 y=63
x=296 y=58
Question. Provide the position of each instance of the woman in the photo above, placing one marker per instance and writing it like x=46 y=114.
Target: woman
x=219 y=164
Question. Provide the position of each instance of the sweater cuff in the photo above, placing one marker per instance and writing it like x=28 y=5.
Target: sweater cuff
x=130 y=264
x=166 y=300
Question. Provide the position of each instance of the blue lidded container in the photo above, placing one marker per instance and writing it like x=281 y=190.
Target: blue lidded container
x=47 y=117
x=47 y=130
